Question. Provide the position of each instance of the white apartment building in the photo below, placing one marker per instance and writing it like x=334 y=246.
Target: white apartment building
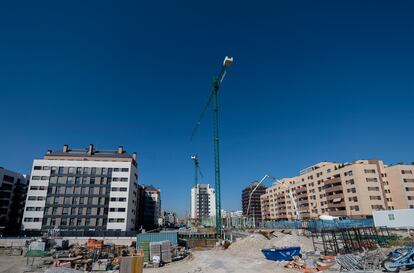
x=84 y=189
x=203 y=202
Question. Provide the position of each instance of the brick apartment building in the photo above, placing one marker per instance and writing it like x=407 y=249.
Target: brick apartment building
x=351 y=189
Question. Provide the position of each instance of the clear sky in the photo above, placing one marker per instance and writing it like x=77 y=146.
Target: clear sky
x=311 y=81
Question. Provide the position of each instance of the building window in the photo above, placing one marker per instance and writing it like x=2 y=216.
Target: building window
x=37 y=167
x=46 y=168
x=70 y=180
x=350 y=182
x=62 y=180
x=406 y=180
x=372 y=179
x=348 y=173
x=35 y=177
x=373 y=188
x=375 y=198
x=406 y=172
x=53 y=170
x=72 y=170
x=353 y=190
x=85 y=170
x=369 y=171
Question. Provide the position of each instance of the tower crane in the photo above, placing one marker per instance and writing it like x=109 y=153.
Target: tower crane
x=214 y=97
x=197 y=173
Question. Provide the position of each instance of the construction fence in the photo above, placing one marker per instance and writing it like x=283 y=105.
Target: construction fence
x=316 y=225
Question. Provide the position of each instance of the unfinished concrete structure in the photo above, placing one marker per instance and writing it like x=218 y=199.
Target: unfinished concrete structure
x=255 y=210
x=351 y=189
x=13 y=189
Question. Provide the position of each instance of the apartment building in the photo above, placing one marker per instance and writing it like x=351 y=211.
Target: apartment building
x=151 y=207
x=252 y=193
x=399 y=181
x=13 y=189
x=351 y=189
x=82 y=189
x=203 y=201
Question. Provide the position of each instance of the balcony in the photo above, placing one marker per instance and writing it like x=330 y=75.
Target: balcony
x=333 y=189
x=337 y=205
x=335 y=196
x=338 y=213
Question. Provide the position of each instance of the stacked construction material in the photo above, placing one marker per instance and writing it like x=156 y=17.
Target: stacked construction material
x=155 y=250
x=131 y=264
x=94 y=244
x=166 y=256
x=144 y=246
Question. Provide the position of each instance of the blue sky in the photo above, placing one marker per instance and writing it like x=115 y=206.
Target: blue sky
x=311 y=81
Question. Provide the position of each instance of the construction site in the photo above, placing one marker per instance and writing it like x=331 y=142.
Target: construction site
x=308 y=249
x=278 y=230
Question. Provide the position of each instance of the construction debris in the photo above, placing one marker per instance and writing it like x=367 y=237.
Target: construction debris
x=310 y=263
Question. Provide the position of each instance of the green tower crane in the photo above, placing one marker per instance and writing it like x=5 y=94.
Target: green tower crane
x=214 y=96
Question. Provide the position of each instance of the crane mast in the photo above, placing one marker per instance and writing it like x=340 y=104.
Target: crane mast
x=214 y=97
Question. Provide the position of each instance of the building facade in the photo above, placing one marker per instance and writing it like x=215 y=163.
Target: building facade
x=150 y=204
x=13 y=189
x=400 y=186
x=203 y=202
x=351 y=189
x=253 y=194
x=83 y=189
x=169 y=218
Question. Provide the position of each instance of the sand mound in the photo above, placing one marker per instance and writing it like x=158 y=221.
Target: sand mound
x=252 y=245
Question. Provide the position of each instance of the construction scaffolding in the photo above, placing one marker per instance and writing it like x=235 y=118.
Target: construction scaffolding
x=348 y=240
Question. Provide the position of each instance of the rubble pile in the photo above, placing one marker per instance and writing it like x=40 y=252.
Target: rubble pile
x=252 y=245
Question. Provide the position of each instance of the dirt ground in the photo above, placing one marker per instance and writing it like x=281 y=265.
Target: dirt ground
x=14 y=264
x=243 y=256
x=219 y=261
